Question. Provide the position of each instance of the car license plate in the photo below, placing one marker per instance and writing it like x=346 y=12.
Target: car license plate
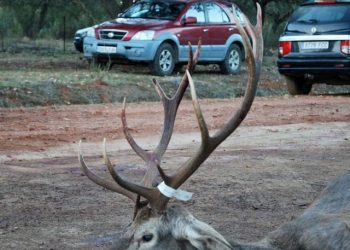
x=315 y=45
x=107 y=49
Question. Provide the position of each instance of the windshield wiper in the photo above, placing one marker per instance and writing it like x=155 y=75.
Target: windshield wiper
x=295 y=31
x=309 y=21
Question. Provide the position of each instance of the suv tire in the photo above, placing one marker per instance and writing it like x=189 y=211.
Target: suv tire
x=164 y=61
x=233 y=60
x=298 y=86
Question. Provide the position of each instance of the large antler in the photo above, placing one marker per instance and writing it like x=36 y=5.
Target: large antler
x=254 y=55
x=158 y=201
x=153 y=158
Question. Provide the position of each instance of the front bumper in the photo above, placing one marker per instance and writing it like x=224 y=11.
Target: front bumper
x=131 y=50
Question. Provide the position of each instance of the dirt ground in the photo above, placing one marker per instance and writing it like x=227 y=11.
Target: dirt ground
x=268 y=171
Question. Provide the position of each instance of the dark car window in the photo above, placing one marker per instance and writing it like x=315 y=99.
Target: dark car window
x=216 y=14
x=154 y=10
x=312 y=14
x=197 y=10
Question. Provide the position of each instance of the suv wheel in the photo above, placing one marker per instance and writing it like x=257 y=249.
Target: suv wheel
x=233 y=60
x=298 y=86
x=164 y=61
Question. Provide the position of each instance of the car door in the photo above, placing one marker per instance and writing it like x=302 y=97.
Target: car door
x=192 y=32
x=219 y=29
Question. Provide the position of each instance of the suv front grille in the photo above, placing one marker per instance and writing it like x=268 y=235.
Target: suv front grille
x=112 y=34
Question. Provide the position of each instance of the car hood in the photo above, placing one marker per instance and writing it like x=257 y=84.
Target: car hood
x=134 y=24
x=296 y=28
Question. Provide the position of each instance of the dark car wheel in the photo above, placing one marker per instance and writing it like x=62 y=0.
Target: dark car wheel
x=298 y=86
x=233 y=60
x=164 y=61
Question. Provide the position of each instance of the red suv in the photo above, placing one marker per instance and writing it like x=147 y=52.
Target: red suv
x=158 y=32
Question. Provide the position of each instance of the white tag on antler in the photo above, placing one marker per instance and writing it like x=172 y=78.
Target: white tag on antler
x=173 y=193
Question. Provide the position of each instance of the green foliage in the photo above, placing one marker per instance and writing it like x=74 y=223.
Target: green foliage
x=275 y=14
x=7 y=22
x=45 y=18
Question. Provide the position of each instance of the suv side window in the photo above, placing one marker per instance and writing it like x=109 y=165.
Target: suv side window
x=197 y=10
x=216 y=14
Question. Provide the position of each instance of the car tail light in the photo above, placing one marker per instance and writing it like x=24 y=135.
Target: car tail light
x=345 y=47
x=285 y=48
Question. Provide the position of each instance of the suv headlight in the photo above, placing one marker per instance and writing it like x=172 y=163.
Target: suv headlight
x=90 y=32
x=85 y=32
x=144 y=35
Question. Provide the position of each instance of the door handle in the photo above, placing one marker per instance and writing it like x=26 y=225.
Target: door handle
x=205 y=30
x=231 y=29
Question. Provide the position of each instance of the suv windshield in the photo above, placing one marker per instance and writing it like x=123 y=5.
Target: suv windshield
x=320 y=14
x=154 y=10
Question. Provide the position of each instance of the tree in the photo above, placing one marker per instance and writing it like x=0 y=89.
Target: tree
x=113 y=7
x=279 y=11
x=284 y=4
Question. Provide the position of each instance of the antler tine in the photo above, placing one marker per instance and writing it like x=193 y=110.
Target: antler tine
x=196 y=54
x=145 y=192
x=171 y=106
x=253 y=62
x=204 y=135
x=193 y=59
x=142 y=153
x=160 y=91
x=252 y=31
x=209 y=143
x=102 y=182
x=201 y=121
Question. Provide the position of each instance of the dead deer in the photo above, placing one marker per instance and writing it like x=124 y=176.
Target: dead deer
x=323 y=226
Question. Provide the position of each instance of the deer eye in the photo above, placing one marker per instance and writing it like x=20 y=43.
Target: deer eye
x=147 y=237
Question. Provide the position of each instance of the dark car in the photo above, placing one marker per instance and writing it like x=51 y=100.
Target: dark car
x=315 y=46
x=158 y=32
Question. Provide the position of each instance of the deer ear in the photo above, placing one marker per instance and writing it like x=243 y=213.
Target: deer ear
x=201 y=236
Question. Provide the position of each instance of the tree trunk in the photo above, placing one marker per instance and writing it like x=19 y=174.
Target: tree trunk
x=42 y=16
x=2 y=41
x=29 y=26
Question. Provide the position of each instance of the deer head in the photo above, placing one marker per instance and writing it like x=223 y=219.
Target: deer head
x=155 y=225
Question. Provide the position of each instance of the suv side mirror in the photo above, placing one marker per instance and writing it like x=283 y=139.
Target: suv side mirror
x=191 y=20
